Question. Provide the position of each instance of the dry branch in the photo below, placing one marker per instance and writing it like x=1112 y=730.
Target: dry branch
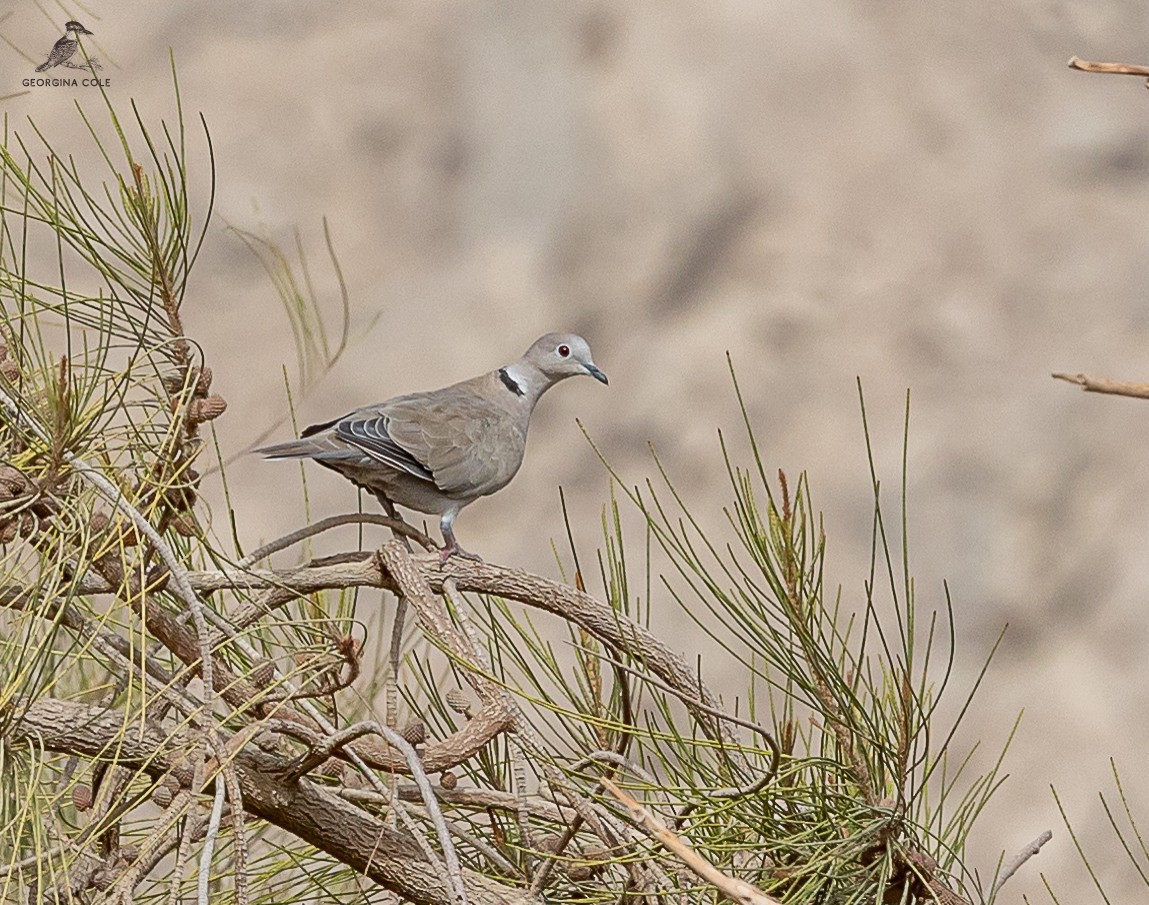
x=1108 y=68
x=1105 y=385
x=319 y=817
x=734 y=889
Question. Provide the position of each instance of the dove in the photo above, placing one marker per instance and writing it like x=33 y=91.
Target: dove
x=438 y=451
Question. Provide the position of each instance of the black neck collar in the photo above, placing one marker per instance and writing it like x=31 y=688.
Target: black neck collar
x=509 y=383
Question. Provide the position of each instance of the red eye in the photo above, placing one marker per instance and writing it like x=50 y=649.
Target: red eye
x=564 y=350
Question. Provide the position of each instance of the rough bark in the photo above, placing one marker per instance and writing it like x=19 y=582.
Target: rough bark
x=304 y=809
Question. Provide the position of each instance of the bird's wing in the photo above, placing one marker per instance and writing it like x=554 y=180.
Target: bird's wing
x=368 y=430
x=470 y=445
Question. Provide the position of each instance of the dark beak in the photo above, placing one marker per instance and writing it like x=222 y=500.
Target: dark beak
x=596 y=373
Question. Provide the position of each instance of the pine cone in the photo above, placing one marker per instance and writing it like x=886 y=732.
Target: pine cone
x=263 y=672
x=185 y=527
x=458 y=701
x=82 y=797
x=162 y=796
x=207 y=409
x=594 y=862
x=448 y=780
x=13 y=481
x=332 y=768
x=415 y=732
x=184 y=774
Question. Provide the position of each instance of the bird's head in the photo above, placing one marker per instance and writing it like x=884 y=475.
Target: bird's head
x=77 y=27
x=560 y=355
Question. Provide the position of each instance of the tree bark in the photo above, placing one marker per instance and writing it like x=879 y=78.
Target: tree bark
x=331 y=824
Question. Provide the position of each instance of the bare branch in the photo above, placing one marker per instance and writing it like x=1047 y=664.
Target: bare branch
x=318 y=817
x=736 y=890
x=1105 y=385
x=1019 y=860
x=397 y=525
x=1108 y=68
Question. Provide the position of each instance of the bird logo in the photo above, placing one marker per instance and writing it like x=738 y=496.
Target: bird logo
x=64 y=50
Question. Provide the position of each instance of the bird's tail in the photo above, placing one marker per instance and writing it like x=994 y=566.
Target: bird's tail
x=43 y=66
x=295 y=449
x=318 y=448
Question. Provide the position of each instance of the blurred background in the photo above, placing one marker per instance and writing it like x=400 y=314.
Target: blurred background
x=918 y=195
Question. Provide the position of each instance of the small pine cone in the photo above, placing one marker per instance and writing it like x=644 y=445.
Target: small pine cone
x=594 y=862
x=203 y=385
x=173 y=383
x=82 y=797
x=458 y=701
x=332 y=768
x=12 y=480
x=129 y=853
x=29 y=524
x=448 y=780
x=162 y=796
x=207 y=409
x=267 y=741
x=184 y=774
x=415 y=732
x=185 y=527
x=8 y=530
x=10 y=371
x=263 y=672
x=98 y=522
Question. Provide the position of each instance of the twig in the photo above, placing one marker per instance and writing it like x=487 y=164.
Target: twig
x=1108 y=68
x=1019 y=859
x=238 y=835
x=397 y=525
x=476 y=799
x=692 y=700
x=1105 y=385
x=203 y=887
x=620 y=762
x=339 y=740
x=40 y=858
x=324 y=749
x=736 y=890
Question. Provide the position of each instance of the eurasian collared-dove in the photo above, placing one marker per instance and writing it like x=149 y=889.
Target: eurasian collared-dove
x=435 y=452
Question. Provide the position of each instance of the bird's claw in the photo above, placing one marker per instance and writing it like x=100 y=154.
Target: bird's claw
x=455 y=550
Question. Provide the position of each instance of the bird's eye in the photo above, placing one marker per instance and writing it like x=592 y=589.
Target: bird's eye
x=564 y=351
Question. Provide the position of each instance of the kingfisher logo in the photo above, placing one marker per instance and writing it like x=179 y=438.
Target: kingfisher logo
x=66 y=53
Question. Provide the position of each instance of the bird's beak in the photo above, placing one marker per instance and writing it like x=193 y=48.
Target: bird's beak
x=596 y=373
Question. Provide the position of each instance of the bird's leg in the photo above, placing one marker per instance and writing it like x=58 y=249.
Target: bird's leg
x=392 y=512
x=450 y=545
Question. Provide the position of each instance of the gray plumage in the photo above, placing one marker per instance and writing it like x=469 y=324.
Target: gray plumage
x=438 y=451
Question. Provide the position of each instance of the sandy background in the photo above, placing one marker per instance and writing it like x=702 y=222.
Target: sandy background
x=919 y=194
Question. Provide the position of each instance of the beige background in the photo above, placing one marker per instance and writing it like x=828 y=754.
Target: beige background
x=919 y=194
